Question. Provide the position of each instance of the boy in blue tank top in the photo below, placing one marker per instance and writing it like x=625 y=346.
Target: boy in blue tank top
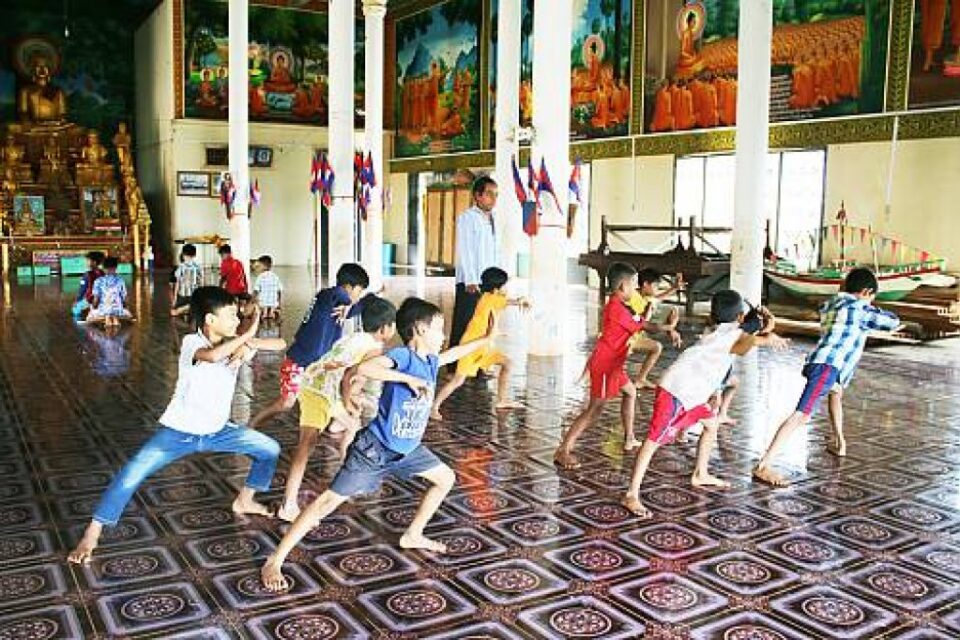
x=391 y=444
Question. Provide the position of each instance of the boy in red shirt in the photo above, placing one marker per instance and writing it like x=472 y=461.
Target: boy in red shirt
x=233 y=278
x=607 y=364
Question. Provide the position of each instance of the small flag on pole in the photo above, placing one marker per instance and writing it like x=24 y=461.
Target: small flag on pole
x=518 y=187
x=574 y=183
x=546 y=184
x=255 y=192
x=316 y=184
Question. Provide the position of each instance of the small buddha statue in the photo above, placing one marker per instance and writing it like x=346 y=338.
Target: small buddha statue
x=40 y=102
x=93 y=167
x=122 y=143
x=13 y=159
x=53 y=169
x=8 y=188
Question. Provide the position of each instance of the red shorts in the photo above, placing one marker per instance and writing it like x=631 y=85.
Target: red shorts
x=290 y=374
x=607 y=376
x=670 y=419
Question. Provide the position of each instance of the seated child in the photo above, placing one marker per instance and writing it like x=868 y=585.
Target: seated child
x=322 y=404
x=845 y=321
x=391 y=443
x=267 y=288
x=608 y=376
x=188 y=277
x=109 y=296
x=85 y=293
x=493 y=301
x=686 y=387
x=198 y=416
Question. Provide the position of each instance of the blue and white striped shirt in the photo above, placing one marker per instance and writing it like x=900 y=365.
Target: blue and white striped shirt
x=476 y=246
x=845 y=321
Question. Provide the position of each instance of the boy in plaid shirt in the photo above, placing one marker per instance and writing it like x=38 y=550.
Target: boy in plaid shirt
x=267 y=288
x=188 y=277
x=845 y=321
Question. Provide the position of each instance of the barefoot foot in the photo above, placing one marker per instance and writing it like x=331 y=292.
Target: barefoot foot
x=709 y=481
x=271 y=575
x=631 y=444
x=726 y=420
x=508 y=405
x=409 y=541
x=84 y=549
x=643 y=383
x=288 y=513
x=566 y=461
x=250 y=507
x=634 y=506
x=436 y=416
x=837 y=447
x=767 y=476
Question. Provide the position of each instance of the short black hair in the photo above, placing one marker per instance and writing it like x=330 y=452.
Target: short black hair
x=648 y=275
x=189 y=250
x=412 y=312
x=266 y=261
x=352 y=275
x=111 y=262
x=617 y=272
x=480 y=185
x=376 y=313
x=209 y=300
x=726 y=306
x=95 y=257
x=859 y=279
x=492 y=279
x=225 y=249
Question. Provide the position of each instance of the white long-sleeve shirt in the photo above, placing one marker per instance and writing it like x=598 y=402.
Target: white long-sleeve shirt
x=476 y=246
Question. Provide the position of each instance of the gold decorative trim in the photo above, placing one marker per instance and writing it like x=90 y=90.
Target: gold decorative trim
x=588 y=150
x=639 y=66
x=406 y=9
x=450 y=162
x=178 y=58
x=898 y=54
x=485 y=33
x=939 y=124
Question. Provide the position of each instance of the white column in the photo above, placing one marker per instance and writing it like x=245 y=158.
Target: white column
x=552 y=34
x=507 y=120
x=373 y=14
x=238 y=130
x=340 y=248
x=753 y=126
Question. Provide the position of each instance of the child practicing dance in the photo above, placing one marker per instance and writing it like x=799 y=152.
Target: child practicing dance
x=87 y=280
x=325 y=403
x=608 y=377
x=109 y=296
x=643 y=303
x=321 y=327
x=267 y=288
x=686 y=388
x=491 y=304
x=233 y=277
x=189 y=277
x=845 y=321
x=198 y=416
x=390 y=445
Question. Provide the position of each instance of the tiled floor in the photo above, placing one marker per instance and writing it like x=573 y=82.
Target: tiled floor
x=864 y=548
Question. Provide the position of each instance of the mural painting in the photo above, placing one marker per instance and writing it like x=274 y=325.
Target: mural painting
x=935 y=56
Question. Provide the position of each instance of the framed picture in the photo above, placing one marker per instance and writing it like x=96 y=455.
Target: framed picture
x=28 y=215
x=99 y=208
x=261 y=157
x=193 y=183
x=216 y=179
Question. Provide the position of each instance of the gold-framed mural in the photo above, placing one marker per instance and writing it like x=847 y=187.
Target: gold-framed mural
x=935 y=55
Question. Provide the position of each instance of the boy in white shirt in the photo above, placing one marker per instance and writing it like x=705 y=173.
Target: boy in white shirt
x=188 y=277
x=198 y=416
x=267 y=288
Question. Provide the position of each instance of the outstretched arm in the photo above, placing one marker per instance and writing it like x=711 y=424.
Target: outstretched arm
x=381 y=368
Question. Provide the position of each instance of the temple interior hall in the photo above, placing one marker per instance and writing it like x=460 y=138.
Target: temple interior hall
x=407 y=319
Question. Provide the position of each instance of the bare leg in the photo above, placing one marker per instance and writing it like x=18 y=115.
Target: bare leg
x=762 y=471
x=503 y=381
x=244 y=504
x=628 y=410
x=562 y=457
x=653 y=349
x=271 y=574
x=441 y=479
x=631 y=500
x=726 y=399
x=84 y=549
x=280 y=405
x=838 y=444
x=701 y=474
x=290 y=509
x=452 y=385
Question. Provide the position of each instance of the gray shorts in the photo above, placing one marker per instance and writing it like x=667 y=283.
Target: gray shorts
x=369 y=462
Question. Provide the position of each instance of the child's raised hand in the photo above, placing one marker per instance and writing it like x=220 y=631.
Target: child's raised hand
x=418 y=386
x=340 y=313
x=675 y=339
x=778 y=343
x=673 y=317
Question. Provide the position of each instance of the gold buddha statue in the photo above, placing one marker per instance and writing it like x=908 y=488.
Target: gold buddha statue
x=53 y=168
x=13 y=159
x=93 y=167
x=8 y=188
x=40 y=102
x=122 y=143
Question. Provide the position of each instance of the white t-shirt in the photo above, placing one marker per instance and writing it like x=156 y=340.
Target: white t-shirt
x=699 y=371
x=348 y=350
x=204 y=393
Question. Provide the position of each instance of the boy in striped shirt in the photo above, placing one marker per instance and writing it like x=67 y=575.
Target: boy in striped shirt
x=845 y=321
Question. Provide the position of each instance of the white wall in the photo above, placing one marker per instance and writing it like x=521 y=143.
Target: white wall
x=395 y=218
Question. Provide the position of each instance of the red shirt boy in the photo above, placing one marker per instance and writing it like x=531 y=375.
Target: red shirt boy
x=232 y=276
x=607 y=367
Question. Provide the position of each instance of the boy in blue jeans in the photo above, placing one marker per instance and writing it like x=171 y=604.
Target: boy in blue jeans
x=198 y=417
x=390 y=445
x=845 y=321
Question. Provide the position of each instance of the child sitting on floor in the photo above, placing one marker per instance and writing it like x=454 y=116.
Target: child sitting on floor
x=198 y=416
x=85 y=293
x=325 y=404
x=109 y=296
x=608 y=376
x=491 y=304
x=845 y=321
x=687 y=386
x=391 y=443
x=267 y=288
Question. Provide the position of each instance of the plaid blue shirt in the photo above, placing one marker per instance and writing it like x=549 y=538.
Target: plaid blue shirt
x=845 y=321
x=268 y=289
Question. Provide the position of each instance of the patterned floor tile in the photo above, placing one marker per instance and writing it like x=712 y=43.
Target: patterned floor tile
x=536 y=529
x=867 y=533
x=668 y=541
x=668 y=598
x=916 y=515
x=204 y=633
x=740 y=573
x=832 y=613
x=464 y=546
x=838 y=492
x=222 y=551
x=174 y=495
x=243 y=589
x=60 y=622
x=398 y=518
x=790 y=506
x=672 y=499
x=479 y=631
x=597 y=560
x=25 y=546
x=808 y=551
x=152 y=609
x=131 y=530
x=85 y=482
x=19 y=516
x=936 y=557
x=416 y=605
x=550 y=490
x=27 y=585
x=15 y=490
x=601 y=514
x=129 y=567
x=371 y=564
x=333 y=531
x=746 y=626
x=733 y=522
x=484 y=504
x=190 y=521
x=326 y=621
x=511 y=582
x=901 y=587
x=580 y=617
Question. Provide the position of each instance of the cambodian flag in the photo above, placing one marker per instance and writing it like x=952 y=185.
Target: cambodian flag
x=531 y=218
x=315 y=182
x=371 y=176
x=532 y=182
x=326 y=180
x=544 y=179
x=574 y=183
x=255 y=192
x=518 y=187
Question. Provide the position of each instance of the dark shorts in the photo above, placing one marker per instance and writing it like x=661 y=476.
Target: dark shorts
x=821 y=379
x=369 y=462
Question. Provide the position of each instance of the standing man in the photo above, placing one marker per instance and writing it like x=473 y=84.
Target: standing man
x=476 y=251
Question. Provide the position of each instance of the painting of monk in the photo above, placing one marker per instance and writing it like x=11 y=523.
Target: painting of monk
x=935 y=58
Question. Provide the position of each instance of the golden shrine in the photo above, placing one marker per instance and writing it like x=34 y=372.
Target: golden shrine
x=61 y=193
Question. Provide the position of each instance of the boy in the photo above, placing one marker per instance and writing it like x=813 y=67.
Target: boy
x=323 y=405
x=198 y=416
x=267 y=288
x=643 y=303
x=608 y=376
x=321 y=327
x=85 y=293
x=845 y=321
x=686 y=389
x=493 y=301
x=109 y=296
x=390 y=445
x=233 y=278
x=189 y=277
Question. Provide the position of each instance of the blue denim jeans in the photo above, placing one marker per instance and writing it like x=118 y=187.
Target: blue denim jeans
x=168 y=445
